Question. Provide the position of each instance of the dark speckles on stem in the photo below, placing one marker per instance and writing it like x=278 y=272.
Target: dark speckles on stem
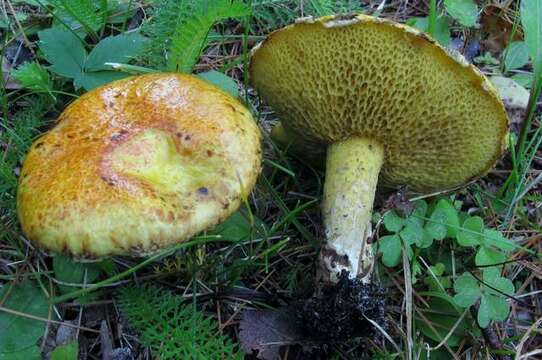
x=187 y=137
x=203 y=191
x=40 y=144
x=210 y=153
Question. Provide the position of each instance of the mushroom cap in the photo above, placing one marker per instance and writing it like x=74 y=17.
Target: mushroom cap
x=137 y=165
x=440 y=120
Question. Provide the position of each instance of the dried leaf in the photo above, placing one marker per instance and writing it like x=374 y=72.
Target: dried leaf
x=266 y=331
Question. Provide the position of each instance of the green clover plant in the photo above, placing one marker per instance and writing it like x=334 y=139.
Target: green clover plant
x=431 y=232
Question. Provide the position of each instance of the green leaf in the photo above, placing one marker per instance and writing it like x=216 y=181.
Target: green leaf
x=18 y=332
x=443 y=317
x=467 y=290
x=493 y=278
x=492 y=308
x=238 y=227
x=64 y=51
x=524 y=79
x=464 y=11
x=82 y=12
x=486 y=256
x=390 y=248
x=413 y=233
x=72 y=272
x=471 y=232
x=452 y=217
x=436 y=226
x=119 y=49
x=393 y=222
x=31 y=75
x=442 y=31
x=427 y=240
x=420 y=210
x=190 y=34
x=221 y=80
x=31 y=353
x=91 y=80
x=517 y=55
x=497 y=239
x=531 y=20
x=69 y=351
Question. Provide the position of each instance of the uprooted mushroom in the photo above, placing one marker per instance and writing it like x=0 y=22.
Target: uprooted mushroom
x=390 y=105
x=137 y=165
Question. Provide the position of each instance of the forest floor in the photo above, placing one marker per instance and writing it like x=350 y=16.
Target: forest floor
x=216 y=296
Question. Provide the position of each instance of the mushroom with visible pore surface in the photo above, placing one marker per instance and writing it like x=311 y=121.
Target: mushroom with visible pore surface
x=137 y=165
x=388 y=102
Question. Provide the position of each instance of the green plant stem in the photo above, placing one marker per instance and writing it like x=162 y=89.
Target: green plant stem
x=535 y=94
x=122 y=275
x=432 y=22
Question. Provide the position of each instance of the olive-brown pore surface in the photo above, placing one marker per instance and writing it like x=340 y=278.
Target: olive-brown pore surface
x=439 y=119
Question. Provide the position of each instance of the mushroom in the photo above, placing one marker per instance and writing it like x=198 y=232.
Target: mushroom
x=389 y=105
x=136 y=165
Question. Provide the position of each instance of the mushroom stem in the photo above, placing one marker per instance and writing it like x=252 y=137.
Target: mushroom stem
x=352 y=170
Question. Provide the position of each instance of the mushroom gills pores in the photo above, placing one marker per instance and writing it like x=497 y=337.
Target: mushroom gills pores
x=433 y=121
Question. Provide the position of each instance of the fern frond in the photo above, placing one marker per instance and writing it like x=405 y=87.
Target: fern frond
x=83 y=12
x=179 y=29
x=171 y=328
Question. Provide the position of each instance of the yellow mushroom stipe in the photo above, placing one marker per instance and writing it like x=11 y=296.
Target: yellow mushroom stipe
x=352 y=165
x=335 y=82
x=137 y=165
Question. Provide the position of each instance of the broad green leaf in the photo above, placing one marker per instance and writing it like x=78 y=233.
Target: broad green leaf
x=452 y=217
x=517 y=55
x=31 y=75
x=413 y=233
x=524 y=79
x=436 y=225
x=64 y=51
x=531 y=20
x=464 y=11
x=238 y=228
x=30 y=353
x=118 y=49
x=69 y=351
x=443 y=317
x=420 y=210
x=492 y=308
x=393 y=222
x=18 y=332
x=493 y=278
x=496 y=238
x=442 y=31
x=486 y=256
x=467 y=290
x=471 y=232
x=437 y=269
x=91 y=80
x=390 y=248
x=73 y=272
x=221 y=80
x=427 y=239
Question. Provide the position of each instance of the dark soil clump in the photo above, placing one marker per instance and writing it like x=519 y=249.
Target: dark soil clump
x=340 y=311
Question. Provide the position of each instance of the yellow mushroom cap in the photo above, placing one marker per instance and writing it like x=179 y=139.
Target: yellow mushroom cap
x=137 y=165
x=440 y=121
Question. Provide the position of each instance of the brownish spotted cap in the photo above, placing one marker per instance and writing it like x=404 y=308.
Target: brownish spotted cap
x=440 y=121
x=137 y=165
